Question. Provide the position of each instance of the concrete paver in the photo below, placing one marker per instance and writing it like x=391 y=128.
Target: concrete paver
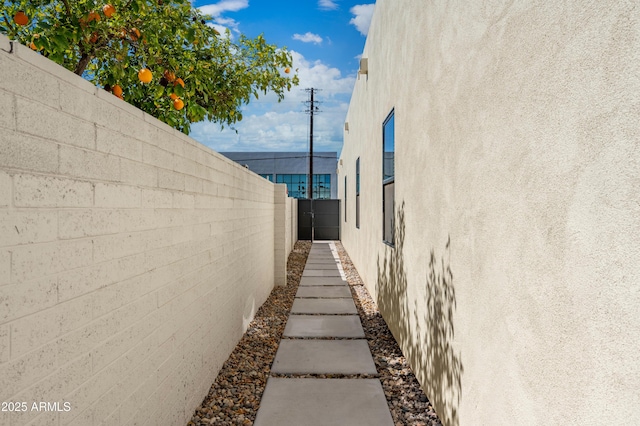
x=323 y=357
x=315 y=281
x=321 y=259
x=324 y=326
x=324 y=306
x=325 y=291
x=321 y=266
x=320 y=273
x=323 y=402
x=315 y=401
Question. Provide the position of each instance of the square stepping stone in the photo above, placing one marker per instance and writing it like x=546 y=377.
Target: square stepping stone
x=304 y=281
x=324 y=291
x=324 y=306
x=320 y=266
x=324 y=326
x=323 y=402
x=320 y=273
x=323 y=357
x=322 y=261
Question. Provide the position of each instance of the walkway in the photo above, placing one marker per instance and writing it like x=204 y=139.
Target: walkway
x=323 y=336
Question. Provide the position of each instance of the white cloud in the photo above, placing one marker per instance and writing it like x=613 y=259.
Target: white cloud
x=216 y=10
x=219 y=28
x=319 y=75
x=362 y=17
x=308 y=38
x=327 y=5
x=219 y=8
x=272 y=126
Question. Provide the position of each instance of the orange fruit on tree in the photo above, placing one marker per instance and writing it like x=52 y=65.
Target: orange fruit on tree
x=116 y=90
x=179 y=81
x=178 y=104
x=134 y=34
x=20 y=18
x=93 y=16
x=170 y=76
x=108 y=10
x=145 y=76
x=173 y=96
x=287 y=70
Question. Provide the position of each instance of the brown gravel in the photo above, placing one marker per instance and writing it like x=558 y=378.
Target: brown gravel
x=235 y=396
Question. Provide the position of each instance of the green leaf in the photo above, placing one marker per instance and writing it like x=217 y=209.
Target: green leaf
x=159 y=92
x=60 y=41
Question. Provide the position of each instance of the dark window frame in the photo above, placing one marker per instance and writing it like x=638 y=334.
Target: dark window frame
x=358 y=193
x=345 y=199
x=388 y=180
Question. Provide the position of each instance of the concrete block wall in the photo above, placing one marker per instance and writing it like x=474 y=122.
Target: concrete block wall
x=132 y=258
x=286 y=231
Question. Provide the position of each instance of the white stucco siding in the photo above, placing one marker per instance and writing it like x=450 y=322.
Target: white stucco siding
x=516 y=137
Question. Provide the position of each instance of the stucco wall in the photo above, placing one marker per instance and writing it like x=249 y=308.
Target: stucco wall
x=513 y=287
x=132 y=258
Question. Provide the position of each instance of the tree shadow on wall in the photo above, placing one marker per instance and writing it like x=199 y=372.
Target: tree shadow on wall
x=430 y=351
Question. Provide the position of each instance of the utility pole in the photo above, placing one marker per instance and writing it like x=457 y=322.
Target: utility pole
x=312 y=108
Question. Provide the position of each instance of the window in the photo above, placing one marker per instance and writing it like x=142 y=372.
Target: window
x=388 y=184
x=345 y=198
x=358 y=193
x=269 y=177
x=321 y=187
x=297 y=185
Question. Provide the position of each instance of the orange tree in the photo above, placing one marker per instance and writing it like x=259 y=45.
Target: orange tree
x=159 y=55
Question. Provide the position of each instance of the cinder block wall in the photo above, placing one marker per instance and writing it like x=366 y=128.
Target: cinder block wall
x=286 y=232
x=132 y=258
x=514 y=284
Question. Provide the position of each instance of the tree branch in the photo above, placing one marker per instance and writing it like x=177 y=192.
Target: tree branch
x=8 y=21
x=67 y=7
x=82 y=64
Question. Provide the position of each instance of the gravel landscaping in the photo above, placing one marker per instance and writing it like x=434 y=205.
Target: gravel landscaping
x=235 y=396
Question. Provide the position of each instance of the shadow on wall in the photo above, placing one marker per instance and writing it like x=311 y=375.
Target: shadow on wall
x=429 y=351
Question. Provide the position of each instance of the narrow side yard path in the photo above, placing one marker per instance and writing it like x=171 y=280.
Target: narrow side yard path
x=235 y=397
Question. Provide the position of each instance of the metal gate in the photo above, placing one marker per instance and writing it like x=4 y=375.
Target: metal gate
x=319 y=220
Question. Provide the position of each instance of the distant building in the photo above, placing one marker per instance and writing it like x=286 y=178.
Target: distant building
x=292 y=168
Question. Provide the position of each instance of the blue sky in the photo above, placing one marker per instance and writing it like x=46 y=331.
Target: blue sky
x=326 y=38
